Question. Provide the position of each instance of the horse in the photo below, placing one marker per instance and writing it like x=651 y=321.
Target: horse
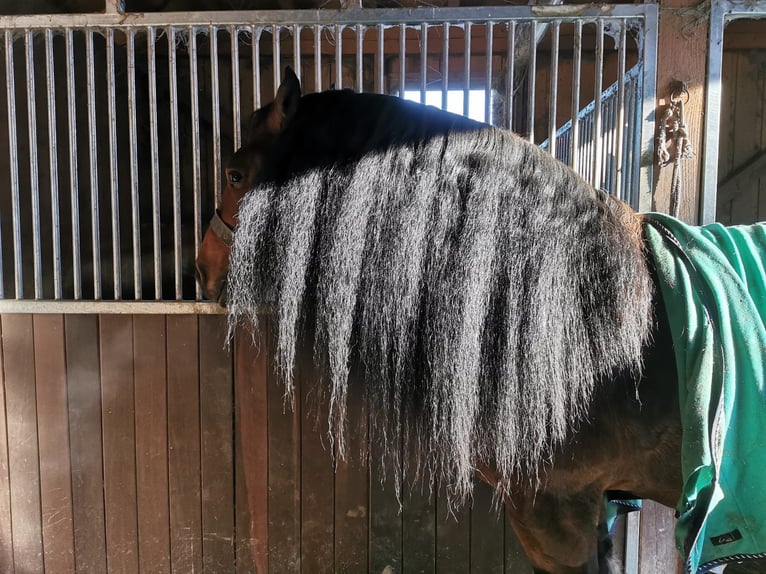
x=504 y=314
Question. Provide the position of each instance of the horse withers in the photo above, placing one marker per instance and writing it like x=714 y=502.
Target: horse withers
x=503 y=313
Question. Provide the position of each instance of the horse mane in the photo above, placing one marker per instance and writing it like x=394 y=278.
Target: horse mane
x=482 y=289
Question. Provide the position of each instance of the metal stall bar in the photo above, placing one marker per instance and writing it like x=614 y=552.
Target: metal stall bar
x=93 y=146
x=216 y=111
x=175 y=148
x=317 y=58
x=196 y=175
x=34 y=184
x=338 y=57
x=531 y=73
x=276 y=58
x=297 y=50
x=596 y=180
x=445 y=64
x=156 y=223
x=488 y=75
x=235 y=103
x=510 y=87
x=14 y=161
x=617 y=189
x=467 y=69
x=423 y=61
x=574 y=136
x=643 y=170
x=402 y=58
x=256 y=55
x=133 y=143
x=52 y=166
x=553 y=99
x=113 y=175
x=722 y=12
x=380 y=77
x=73 y=171
x=359 y=54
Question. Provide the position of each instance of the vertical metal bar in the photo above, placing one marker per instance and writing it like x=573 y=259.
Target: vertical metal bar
x=156 y=223
x=317 y=58
x=532 y=76
x=423 y=61
x=488 y=85
x=467 y=70
x=445 y=64
x=256 y=55
x=73 y=172
x=215 y=94
x=712 y=114
x=574 y=138
x=338 y=57
x=176 y=150
x=93 y=143
x=276 y=57
x=297 y=50
x=554 y=97
x=380 y=75
x=34 y=184
x=596 y=177
x=359 y=53
x=14 y=161
x=509 y=75
x=647 y=109
x=235 y=103
x=113 y=176
x=620 y=114
x=133 y=143
x=52 y=166
x=196 y=176
x=402 y=59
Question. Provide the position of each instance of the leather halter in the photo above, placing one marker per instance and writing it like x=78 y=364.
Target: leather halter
x=222 y=229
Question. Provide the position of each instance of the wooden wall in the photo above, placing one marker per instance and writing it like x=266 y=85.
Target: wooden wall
x=140 y=444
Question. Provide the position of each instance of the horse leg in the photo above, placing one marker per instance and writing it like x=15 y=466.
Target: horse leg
x=559 y=533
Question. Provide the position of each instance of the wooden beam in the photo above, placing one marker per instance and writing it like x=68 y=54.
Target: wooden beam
x=682 y=50
x=744 y=177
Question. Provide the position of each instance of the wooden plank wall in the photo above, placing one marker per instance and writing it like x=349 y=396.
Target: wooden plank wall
x=140 y=444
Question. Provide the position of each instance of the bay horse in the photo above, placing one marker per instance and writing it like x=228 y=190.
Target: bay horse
x=503 y=313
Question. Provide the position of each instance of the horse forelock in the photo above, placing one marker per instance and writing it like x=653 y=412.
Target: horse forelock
x=482 y=289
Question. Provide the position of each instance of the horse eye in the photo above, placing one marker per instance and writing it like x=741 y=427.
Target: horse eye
x=235 y=177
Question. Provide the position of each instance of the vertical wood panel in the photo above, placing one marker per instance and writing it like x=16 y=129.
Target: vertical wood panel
x=351 y=493
x=251 y=454
x=6 y=535
x=284 y=477
x=317 y=473
x=656 y=553
x=149 y=344
x=487 y=525
x=184 y=444
x=418 y=528
x=216 y=415
x=453 y=536
x=516 y=561
x=385 y=519
x=53 y=428
x=22 y=442
x=84 y=395
x=118 y=422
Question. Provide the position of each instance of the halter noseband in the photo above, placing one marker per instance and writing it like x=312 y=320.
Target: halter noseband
x=221 y=229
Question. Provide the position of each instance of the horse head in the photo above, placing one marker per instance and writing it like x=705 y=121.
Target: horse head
x=265 y=124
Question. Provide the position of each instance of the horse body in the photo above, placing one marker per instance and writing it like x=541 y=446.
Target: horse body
x=603 y=408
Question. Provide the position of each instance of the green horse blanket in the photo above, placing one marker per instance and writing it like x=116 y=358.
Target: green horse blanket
x=713 y=282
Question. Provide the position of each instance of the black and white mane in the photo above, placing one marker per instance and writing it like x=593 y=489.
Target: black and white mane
x=483 y=291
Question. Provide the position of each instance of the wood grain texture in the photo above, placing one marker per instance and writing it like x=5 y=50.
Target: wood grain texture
x=453 y=536
x=53 y=429
x=487 y=528
x=85 y=442
x=118 y=424
x=6 y=533
x=184 y=444
x=657 y=553
x=217 y=423
x=149 y=344
x=251 y=450
x=23 y=454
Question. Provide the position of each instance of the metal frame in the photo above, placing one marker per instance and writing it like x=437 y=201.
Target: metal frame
x=721 y=13
x=135 y=26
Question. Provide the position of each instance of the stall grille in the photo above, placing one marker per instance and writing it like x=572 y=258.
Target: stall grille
x=117 y=125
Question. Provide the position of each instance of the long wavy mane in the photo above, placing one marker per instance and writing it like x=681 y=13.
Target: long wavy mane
x=484 y=291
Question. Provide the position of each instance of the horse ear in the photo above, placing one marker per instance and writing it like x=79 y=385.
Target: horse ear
x=286 y=103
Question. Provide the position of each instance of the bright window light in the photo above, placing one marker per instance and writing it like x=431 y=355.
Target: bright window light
x=476 y=101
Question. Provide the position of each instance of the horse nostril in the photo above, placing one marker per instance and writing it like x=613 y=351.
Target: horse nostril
x=199 y=274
